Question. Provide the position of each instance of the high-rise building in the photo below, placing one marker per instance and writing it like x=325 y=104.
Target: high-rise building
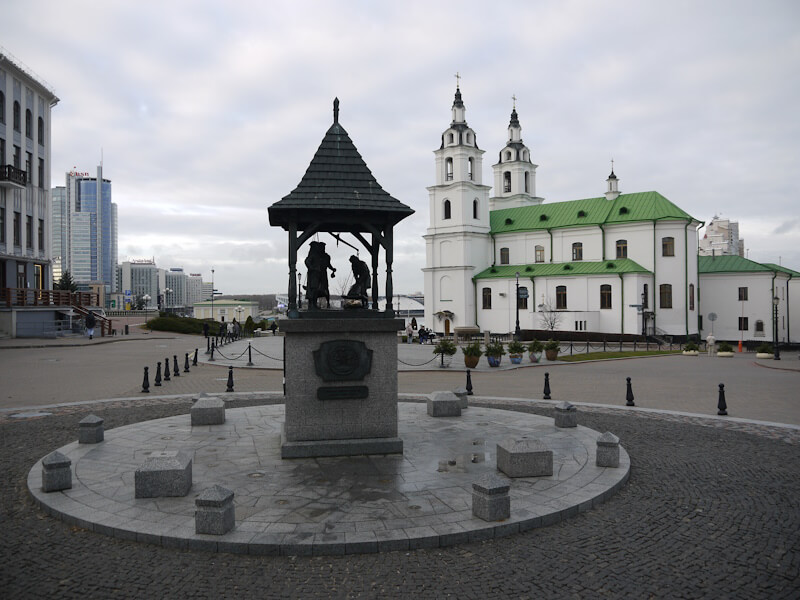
x=139 y=279
x=85 y=229
x=175 y=290
x=25 y=105
x=721 y=238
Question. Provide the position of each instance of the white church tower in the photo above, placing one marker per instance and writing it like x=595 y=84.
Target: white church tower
x=457 y=242
x=514 y=174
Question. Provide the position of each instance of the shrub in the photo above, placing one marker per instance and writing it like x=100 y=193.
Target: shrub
x=495 y=349
x=552 y=345
x=516 y=347
x=764 y=349
x=445 y=346
x=725 y=347
x=691 y=347
x=535 y=346
x=473 y=349
x=187 y=325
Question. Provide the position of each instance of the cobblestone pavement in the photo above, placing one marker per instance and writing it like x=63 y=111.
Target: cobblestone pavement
x=707 y=512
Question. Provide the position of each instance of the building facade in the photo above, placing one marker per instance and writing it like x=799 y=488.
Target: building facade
x=25 y=223
x=226 y=310
x=85 y=229
x=721 y=238
x=617 y=263
x=139 y=279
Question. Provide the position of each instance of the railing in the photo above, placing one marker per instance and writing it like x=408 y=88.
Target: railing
x=103 y=322
x=11 y=174
x=33 y=297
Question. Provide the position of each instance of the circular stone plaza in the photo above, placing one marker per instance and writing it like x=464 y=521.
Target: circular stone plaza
x=700 y=505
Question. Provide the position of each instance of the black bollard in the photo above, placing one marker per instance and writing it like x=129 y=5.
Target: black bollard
x=158 y=375
x=230 y=379
x=166 y=369
x=249 y=355
x=722 y=407
x=176 y=371
x=194 y=361
x=146 y=382
x=546 y=386
x=629 y=394
x=212 y=352
x=469 y=384
x=186 y=364
x=208 y=345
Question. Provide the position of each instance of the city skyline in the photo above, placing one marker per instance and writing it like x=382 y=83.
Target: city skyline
x=205 y=118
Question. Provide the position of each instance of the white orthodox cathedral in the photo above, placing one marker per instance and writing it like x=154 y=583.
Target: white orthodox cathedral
x=618 y=263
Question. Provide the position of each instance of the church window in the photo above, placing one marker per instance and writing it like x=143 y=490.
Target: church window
x=527 y=183
x=41 y=131
x=622 y=248
x=561 y=297
x=743 y=323
x=645 y=302
x=450 y=138
x=507 y=181
x=487 y=298
x=470 y=164
x=668 y=246
x=760 y=327
x=475 y=208
x=691 y=296
x=17 y=117
x=446 y=209
x=448 y=169
x=523 y=302
x=605 y=296
x=28 y=124
x=577 y=251
x=742 y=294
x=469 y=138
x=503 y=256
x=539 y=254
x=665 y=293
x=524 y=155
x=508 y=155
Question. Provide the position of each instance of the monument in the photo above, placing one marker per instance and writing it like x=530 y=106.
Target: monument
x=340 y=365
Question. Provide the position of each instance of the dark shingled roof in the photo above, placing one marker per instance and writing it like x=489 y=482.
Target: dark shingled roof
x=337 y=190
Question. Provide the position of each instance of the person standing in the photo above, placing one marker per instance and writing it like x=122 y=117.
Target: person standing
x=91 y=323
x=409 y=334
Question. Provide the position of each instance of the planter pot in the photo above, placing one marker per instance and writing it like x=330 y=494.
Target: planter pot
x=766 y=355
x=551 y=354
x=535 y=356
x=494 y=361
x=471 y=361
x=515 y=358
x=725 y=354
x=691 y=352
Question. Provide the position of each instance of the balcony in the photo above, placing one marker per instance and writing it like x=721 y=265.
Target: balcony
x=12 y=177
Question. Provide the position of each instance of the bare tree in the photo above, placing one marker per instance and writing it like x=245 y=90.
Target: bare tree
x=549 y=317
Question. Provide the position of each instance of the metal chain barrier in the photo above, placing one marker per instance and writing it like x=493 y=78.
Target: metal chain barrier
x=228 y=358
x=436 y=357
x=267 y=355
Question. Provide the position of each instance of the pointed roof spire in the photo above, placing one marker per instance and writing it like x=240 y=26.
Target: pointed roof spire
x=336 y=110
x=612 y=176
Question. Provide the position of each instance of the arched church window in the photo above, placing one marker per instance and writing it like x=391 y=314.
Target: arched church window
x=446 y=209
x=622 y=248
x=508 y=155
x=645 y=296
x=448 y=169
x=605 y=296
x=577 y=251
x=487 y=298
x=561 y=297
x=28 y=123
x=507 y=181
x=450 y=138
x=539 y=254
x=470 y=164
x=527 y=183
x=503 y=256
x=475 y=208
x=469 y=138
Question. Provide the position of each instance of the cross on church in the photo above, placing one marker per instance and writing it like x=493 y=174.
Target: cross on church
x=458 y=79
x=514 y=98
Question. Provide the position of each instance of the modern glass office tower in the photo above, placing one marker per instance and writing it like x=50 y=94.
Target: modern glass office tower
x=87 y=237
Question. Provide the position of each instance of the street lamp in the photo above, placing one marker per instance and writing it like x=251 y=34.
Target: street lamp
x=146 y=300
x=166 y=298
x=239 y=310
x=516 y=329
x=212 y=294
x=775 y=301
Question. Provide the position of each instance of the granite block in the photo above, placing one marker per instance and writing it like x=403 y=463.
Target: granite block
x=167 y=473
x=524 y=458
x=490 y=499
x=91 y=430
x=208 y=411
x=444 y=404
x=215 y=511
x=566 y=415
x=608 y=450
x=462 y=396
x=56 y=472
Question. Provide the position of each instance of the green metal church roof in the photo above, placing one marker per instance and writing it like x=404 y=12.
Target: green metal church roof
x=626 y=208
x=567 y=269
x=775 y=267
x=730 y=264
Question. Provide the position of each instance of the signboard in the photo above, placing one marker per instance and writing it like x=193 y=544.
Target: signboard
x=113 y=304
x=128 y=293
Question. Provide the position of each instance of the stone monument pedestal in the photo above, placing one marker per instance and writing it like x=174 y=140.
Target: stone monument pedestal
x=341 y=384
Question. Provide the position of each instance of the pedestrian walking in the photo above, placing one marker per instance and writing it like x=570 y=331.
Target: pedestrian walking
x=91 y=323
x=409 y=334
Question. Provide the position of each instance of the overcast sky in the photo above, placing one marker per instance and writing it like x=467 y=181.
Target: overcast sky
x=209 y=112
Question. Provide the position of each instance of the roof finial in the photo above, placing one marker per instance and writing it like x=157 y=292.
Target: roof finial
x=514 y=98
x=458 y=80
x=612 y=165
x=336 y=110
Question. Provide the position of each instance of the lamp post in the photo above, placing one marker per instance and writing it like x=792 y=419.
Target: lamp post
x=146 y=300
x=775 y=301
x=212 y=294
x=516 y=329
x=239 y=310
x=167 y=292
x=644 y=315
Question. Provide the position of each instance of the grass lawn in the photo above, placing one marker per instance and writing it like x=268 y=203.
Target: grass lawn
x=624 y=354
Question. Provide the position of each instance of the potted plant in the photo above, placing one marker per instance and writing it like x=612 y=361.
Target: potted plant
x=691 y=349
x=444 y=347
x=535 y=349
x=764 y=351
x=494 y=353
x=551 y=349
x=515 y=351
x=472 y=354
x=725 y=350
